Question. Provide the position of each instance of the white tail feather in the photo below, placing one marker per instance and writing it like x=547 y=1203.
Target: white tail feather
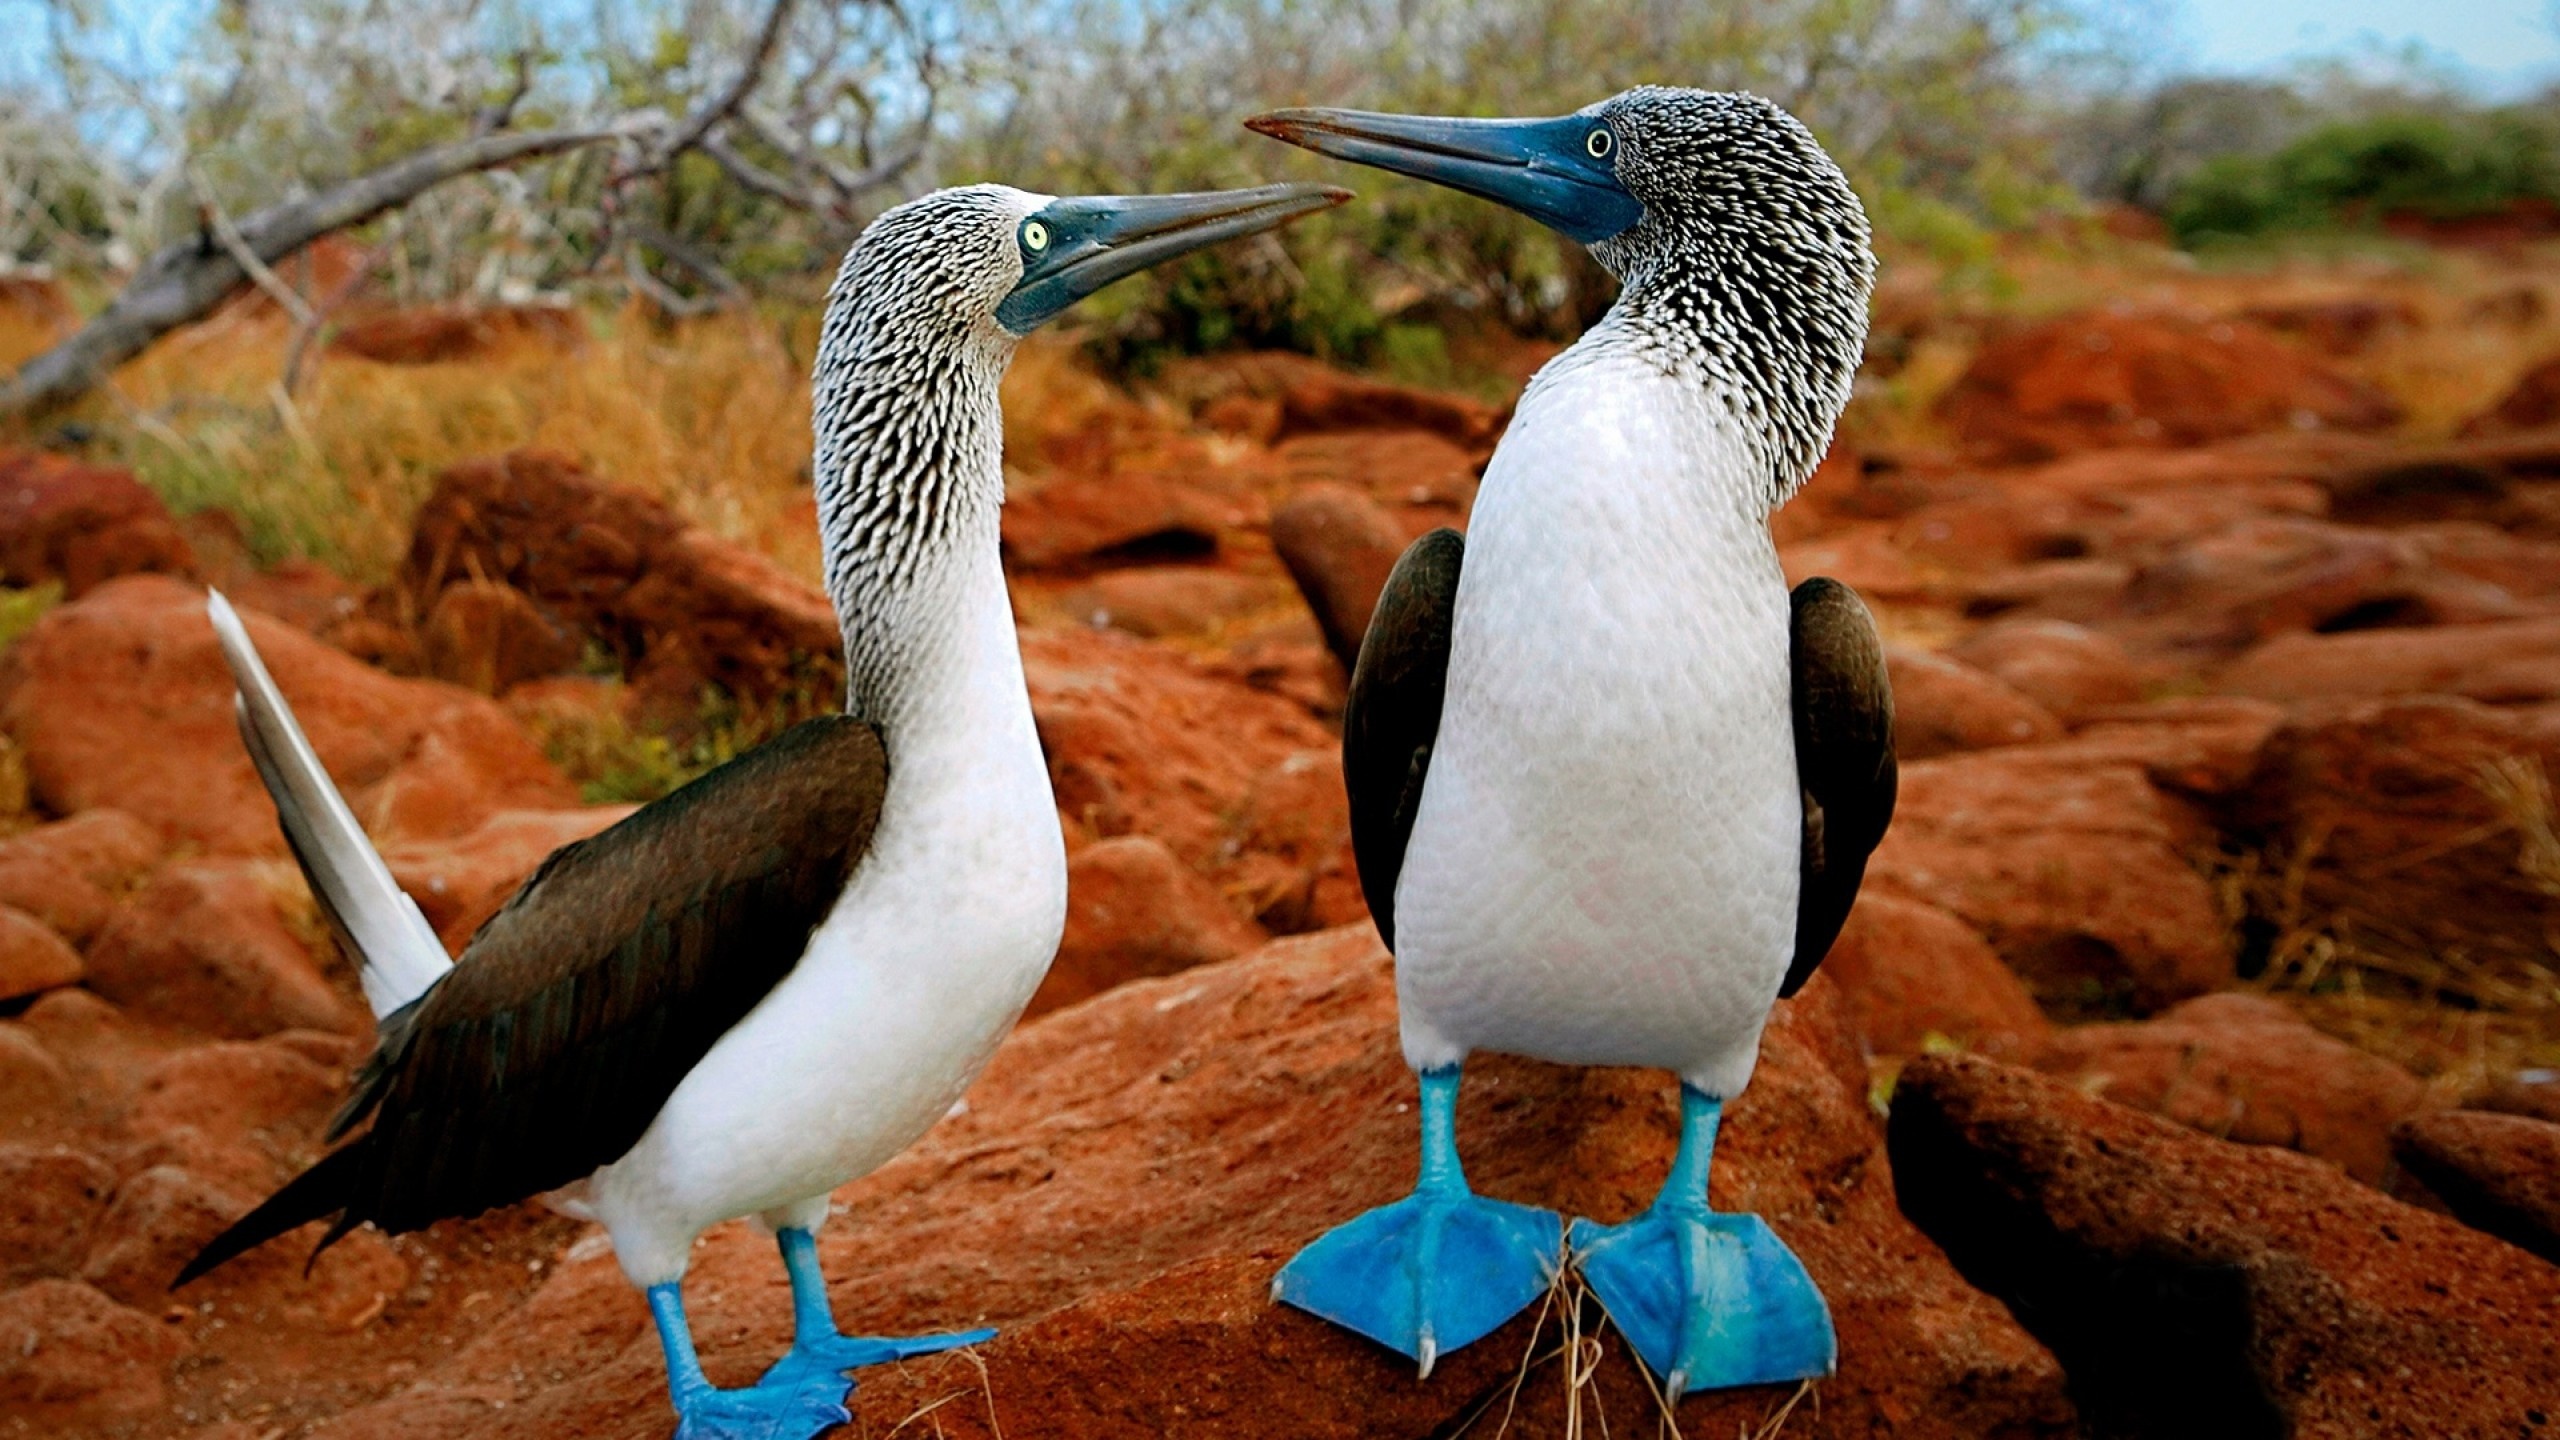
x=397 y=953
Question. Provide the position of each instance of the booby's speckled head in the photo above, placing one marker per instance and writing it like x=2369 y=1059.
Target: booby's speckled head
x=980 y=254
x=908 y=469
x=1743 y=251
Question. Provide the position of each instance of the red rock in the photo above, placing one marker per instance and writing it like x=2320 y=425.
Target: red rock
x=446 y=333
x=77 y=524
x=102 y=1055
x=122 y=699
x=32 y=957
x=1170 y=600
x=2070 y=870
x=460 y=883
x=49 y=1197
x=2500 y=1173
x=2276 y=576
x=32 y=294
x=2392 y=810
x=2505 y=662
x=2343 y=326
x=69 y=1355
x=237 y=1090
x=302 y=593
x=2068 y=669
x=1420 y=478
x=1941 y=706
x=2193 y=1287
x=1862 y=557
x=1130 y=1173
x=1912 y=974
x=106 y=847
x=1324 y=399
x=1141 y=739
x=677 y=606
x=1339 y=547
x=486 y=636
x=33 y=1083
x=2533 y=404
x=1292 y=839
x=36 y=884
x=205 y=946
x=161 y=1217
x=1133 y=910
x=2101 y=380
x=2534 y=1093
x=2198 y=745
x=1076 y=520
x=2248 y=1069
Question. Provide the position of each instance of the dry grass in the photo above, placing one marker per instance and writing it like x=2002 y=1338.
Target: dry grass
x=711 y=415
x=2461 y=1020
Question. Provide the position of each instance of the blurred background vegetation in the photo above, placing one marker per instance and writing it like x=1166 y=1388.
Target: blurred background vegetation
x=1959 y=119
x=695 y=255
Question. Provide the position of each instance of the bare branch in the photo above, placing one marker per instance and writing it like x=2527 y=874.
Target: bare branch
x=493 y=118
x=287 y=299
x=750 y=73
x=183 y=280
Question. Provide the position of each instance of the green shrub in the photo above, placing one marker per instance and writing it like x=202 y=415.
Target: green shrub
x=2355 y=173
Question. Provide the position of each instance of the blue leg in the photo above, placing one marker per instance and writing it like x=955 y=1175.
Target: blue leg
x=1708 y=1300
x=819 y=1351
x=786 y=1409
x=1437 y=1270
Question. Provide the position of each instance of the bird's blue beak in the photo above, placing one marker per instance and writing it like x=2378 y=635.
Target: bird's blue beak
x=1074 y=247
x=1561 y=173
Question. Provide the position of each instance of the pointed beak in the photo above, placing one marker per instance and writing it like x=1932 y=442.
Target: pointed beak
x=1090 y=241
x=1545 y=169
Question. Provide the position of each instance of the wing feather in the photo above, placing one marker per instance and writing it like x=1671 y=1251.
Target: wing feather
x=1844 y=759
x=1392 y=715
x=580 y=1006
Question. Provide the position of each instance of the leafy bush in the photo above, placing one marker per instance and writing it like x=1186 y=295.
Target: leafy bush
x=2355 y=173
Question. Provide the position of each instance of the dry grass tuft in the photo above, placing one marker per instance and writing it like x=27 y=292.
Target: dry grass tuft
x=2461 y=1020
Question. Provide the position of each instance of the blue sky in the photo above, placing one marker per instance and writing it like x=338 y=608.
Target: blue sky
x=2504 y=48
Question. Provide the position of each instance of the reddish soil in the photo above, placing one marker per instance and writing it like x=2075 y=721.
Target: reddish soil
x=2211 y=685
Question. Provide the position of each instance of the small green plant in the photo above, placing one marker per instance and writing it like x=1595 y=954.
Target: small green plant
x=21 y=609
x=2356 y=173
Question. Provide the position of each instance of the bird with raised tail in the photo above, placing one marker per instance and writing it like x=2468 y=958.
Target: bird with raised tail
x=1612 y=786
x=774 y=979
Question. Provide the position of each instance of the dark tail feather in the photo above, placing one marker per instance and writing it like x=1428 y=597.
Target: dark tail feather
x=321 y=1191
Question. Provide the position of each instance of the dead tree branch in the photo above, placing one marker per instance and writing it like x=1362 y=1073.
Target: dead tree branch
x=183 y=281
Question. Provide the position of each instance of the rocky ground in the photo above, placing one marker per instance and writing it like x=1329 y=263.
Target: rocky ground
x=2186 y=1069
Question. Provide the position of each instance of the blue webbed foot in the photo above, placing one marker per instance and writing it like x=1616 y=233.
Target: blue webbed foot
x=1708 y=1300
x=790 y=1410
x=821 y=1352
x=1441 y=1268
x=830 y=1356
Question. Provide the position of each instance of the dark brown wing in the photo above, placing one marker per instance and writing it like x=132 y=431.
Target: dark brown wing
x=576 y=1010
x=1844 y=759
x=1392 y=715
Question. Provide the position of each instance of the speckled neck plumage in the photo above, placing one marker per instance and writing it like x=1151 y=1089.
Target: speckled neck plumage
x=908 y=471
x=1749 y=273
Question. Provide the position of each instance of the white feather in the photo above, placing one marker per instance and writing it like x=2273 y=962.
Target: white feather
x=1604 y=866
x=397 y=952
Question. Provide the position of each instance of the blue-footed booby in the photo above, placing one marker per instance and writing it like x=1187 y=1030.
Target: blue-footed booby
x=768 y=983
x=1612 y=787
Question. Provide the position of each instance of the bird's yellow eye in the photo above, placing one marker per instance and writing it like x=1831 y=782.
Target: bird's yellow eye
x=1035 y=236
x=1599 y=143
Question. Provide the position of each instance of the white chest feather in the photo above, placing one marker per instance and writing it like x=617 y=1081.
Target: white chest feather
x=1604 y=866
x=924 y=964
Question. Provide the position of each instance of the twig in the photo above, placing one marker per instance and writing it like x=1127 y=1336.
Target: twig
x=228 y=235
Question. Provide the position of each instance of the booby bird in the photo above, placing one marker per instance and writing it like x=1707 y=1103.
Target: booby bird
x=1612 y=786
x=769 y=982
